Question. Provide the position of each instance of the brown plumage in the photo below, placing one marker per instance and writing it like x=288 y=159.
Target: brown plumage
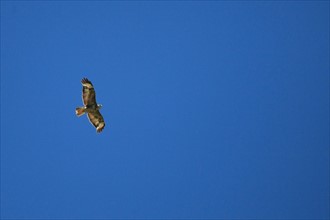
x=90 y=106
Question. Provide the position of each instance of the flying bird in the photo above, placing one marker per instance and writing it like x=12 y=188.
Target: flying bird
x=90 y=106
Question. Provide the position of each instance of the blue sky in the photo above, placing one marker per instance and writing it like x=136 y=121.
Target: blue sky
x=213 y=109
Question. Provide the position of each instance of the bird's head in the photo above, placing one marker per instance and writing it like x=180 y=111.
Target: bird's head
x=99 y=106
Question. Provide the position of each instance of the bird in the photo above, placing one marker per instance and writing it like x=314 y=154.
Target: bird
x=91 y=108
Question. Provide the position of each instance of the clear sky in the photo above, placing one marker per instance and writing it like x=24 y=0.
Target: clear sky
x=213 y=109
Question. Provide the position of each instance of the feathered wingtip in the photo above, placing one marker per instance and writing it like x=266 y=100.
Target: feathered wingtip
x=85 y=80
x=100 y=127
x=86 y=83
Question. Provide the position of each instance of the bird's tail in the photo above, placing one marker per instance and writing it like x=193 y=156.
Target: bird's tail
x=80 y=111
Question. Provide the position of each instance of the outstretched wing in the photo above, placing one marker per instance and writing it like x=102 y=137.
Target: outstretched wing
x=97 y=120
x=88 y=92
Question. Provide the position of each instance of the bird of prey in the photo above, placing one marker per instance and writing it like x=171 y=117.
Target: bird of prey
x=91 y=108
